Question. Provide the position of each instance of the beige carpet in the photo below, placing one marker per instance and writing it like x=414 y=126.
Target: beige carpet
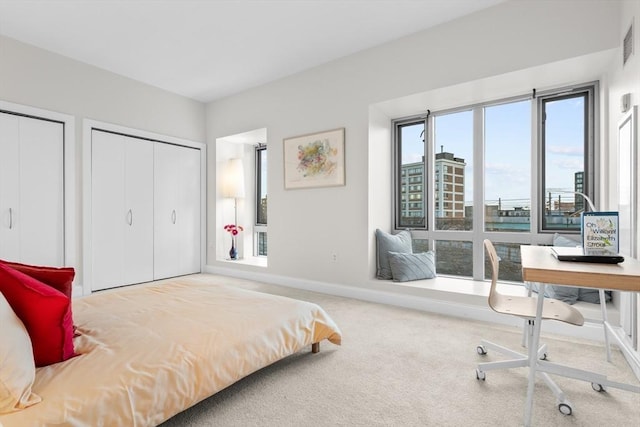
x=399 y=367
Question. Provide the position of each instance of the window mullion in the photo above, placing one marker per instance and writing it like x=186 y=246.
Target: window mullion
x=537 y=190
x=478 y=194
x=429 y=179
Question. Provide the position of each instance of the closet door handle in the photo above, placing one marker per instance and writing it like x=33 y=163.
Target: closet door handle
x=130 y=217
x=173 y=216
x=10 y=218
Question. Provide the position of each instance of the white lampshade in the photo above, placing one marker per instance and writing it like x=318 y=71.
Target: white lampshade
x=233 y=179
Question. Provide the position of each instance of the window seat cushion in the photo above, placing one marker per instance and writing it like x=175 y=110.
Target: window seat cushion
x=385 y=243
x=407 y=267
x=570 y=294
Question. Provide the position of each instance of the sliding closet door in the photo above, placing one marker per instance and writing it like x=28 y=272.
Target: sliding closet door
x=189 y=239
x=122 y=210
x=31 y=190
x=9 y=186
x=138 y=194
x=176 y=211
x=41 y=191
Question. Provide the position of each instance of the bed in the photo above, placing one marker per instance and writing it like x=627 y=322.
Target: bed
x=148 y=352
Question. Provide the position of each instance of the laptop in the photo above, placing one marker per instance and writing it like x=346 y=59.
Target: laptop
x=576 y=254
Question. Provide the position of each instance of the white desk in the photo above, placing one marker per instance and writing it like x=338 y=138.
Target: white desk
x=539 y=265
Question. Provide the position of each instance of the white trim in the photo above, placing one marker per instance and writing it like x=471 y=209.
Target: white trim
x=448 y=303
x=626 y=346
x=87 y=127
x=471 y=306
x=69 y=179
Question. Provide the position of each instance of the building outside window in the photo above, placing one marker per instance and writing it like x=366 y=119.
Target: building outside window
x=500 y=198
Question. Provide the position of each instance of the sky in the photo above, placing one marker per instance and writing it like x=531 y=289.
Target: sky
x=508 y=148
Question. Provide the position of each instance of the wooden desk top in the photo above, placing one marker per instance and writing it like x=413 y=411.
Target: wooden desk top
x=539 y=265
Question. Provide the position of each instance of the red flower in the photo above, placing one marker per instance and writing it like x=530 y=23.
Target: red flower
x=233 y=229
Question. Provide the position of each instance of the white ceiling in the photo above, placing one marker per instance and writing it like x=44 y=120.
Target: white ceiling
x=209 y=49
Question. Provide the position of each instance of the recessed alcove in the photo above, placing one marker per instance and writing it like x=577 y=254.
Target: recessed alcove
x=237 y=210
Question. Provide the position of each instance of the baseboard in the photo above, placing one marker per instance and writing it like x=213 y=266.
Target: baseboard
x=480 y=312
x=626 y=347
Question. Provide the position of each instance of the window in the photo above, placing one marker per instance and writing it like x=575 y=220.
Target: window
x=261 y=201
x=505 y=170
x=566 y=131
x=453 y=138
x=411 y=170
x=507 y=166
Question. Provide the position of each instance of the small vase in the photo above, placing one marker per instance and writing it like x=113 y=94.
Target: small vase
x=233 y=253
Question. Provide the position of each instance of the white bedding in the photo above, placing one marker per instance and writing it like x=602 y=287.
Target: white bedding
x=147 y=353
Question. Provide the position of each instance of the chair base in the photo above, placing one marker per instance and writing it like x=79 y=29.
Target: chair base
x=520 y=360
x=542 y=369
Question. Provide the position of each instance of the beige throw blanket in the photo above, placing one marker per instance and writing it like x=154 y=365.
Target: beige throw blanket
x=148 y=352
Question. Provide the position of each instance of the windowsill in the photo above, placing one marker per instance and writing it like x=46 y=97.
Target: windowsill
x=470 y=291
x=253 y=261
x=450 y=284
x=461 y=286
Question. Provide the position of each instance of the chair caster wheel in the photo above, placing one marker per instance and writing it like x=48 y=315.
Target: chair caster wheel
x=565 y=409
x=598 y=387
x=480 y=375
x=481 y=350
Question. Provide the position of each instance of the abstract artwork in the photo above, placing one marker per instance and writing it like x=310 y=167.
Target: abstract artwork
x=314 y=160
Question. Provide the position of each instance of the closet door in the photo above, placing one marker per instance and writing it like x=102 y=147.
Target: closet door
x=189 y=202
x=31 y=190
x=41 y=192
x=176 y=211
x=9 y=186
x=122 y=210
x=138 y=193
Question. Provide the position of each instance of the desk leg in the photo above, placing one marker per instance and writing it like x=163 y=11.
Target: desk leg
x=533 y=356
x=605 y=322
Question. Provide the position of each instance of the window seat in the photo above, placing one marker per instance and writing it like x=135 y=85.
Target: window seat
x=450 y=296
x=476 y=292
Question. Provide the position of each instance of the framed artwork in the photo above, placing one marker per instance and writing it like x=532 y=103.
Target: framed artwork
x=314 y=160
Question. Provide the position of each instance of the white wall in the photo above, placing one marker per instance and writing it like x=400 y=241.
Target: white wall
x=307 y=226
x=624 y=79
x=38 y=78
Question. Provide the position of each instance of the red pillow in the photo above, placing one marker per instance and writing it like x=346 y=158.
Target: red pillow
x=58 y=278
x=45 y=313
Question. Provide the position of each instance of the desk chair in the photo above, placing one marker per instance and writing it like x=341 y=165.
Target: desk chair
x=606 y=327
x=524 y=307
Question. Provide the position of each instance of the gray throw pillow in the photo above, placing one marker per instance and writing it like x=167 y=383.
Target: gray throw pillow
x=592 y=295
x=574 y=294
x=568 y=294
x=385 y=243
x=406 y=267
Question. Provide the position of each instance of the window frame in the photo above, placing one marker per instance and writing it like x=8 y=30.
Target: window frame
x=590 y=92
x=259 y=227
x=397 y=171
x=536 y=233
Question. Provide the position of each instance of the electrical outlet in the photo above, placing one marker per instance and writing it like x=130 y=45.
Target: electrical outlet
x=334 y=257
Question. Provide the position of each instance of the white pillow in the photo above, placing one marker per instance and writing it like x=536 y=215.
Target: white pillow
x=17 y=367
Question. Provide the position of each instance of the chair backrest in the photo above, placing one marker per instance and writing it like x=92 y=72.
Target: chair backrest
x=495 y=268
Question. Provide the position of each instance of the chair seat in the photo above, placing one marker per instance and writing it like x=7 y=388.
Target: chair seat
x=553 y=309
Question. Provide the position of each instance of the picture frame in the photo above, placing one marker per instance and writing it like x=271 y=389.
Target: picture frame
x=314 y=160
